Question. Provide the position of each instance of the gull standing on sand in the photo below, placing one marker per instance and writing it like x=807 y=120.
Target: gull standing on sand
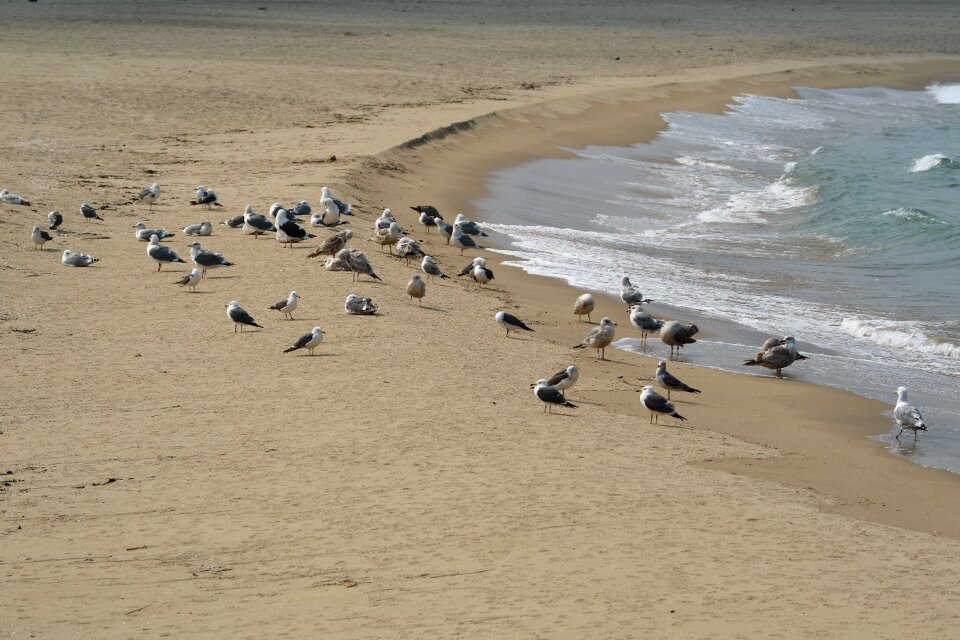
x=777 y=355
x=429 y=267
x=644 y=322
x=657 y=404
x=599 y=338
x=481 y=274
x=333 y=244
x=200 y=229
x=359 y=306
x=77 y=259
x=428 y=210
x=288 y=306
x=12 y=198
x=387 y=237
x=676 y=334
x=550 y=396
x=288 y=231
x=565 y=378
x=468 y=227
x=445 y=229
x=144 y=234
x=256 y=224
x=88 y=212
x=308 y=341
x=473 y=263
x=630 y=294
x=240 y=317
x=461 y=240
x=149 y=195
x=160 y=253
x=358 y=263
x=907 y=416
x=55 y=218
x=206 y=198
x=39 y=237
x=191 y=280
x=384 y=221
x=206 y=259
x=668 y=381
x=584 y=306
x=417 y=288
x=510 y=322
x=408 y=249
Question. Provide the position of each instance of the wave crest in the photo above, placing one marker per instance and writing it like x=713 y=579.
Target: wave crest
x=945 y=93
x=899 y=335
x=929 y=162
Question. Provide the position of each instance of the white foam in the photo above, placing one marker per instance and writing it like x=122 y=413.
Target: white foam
x=777 y=197
x=928 y=162
x=899 y=335
x=945 y=93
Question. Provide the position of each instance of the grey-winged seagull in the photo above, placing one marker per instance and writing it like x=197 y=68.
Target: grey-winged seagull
x=359 y=306
x=207 y=259
x=461 y=240
x=160 y=253
x=429 y=267
x=240 y=317
x=77 y=259
x=143 y=233
x=644 y=322
x=12 y=198
x=343 y=207
x=358 y=263
x=468 y=227
x=657 y=404
x=39 y=237
x=907 y=416
x=200 y=229
x=206 y=198
x=55 y=218
x=149 y=195
x=235 y=222
x=256 y=224
x=668 y=381
x=445 y=229
x=630 y=294
x=550 y=396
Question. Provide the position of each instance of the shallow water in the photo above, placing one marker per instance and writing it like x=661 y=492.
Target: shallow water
x=834 y=217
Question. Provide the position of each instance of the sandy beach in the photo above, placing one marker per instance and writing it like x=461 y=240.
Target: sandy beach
x=166 y=477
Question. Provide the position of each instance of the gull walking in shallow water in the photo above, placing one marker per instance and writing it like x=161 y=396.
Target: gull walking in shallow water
x=308 y=341
x=676 y=334
x=599 y=338
x=160 y=253
x=417 y=288
x=907 y=416
x=148 y=195
x=657 y=404
x=77 y=259
x=645 y=322
x=359 y=306
x=668 y=381
x=776 y=354
x=583 y=306
x=39 y=237
x=550 y=396
x=240 y=317
x=190 y=281
x=510 y=322
x=630 y=294
x=288 y=306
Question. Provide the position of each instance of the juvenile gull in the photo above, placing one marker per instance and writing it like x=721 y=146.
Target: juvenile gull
x=287 y=306
x=644 y=322
x=199 y=229
x=359 y=306
x=160 y=253
x=461 y=240
x=358 y=263
x=235 y=222
x=144 y=234
x=55 y=218
x=333 y=244
x=429 y=267
x=481 y=274
x=289 y=231
x=206 y=259
x=907 y=416
x=39 y=237
x=778 y=355
x=332 y=263
x=408 y=249
x=77 y=259
x=89 y=212
x=308 y=341
x=550 y=396
x=668 y=381
x=12 y=198
x=417 y=288
x=191 y=280
x=148 y=195
x=468 y=227
x=387 y=237
x=510 y=322
x=630 y=294
x=657 y=404
x=473 y=263
x=770 y=343
x=256 y=224
x=206 y=198
x=240 y=317
x=583 y=306
x=599 y=338
x=676 y=334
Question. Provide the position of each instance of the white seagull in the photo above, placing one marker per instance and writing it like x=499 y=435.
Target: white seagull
x=510 y=322
x=39 y=237
x=657 y=404
x=77 y=259
x=550 y=396
x=240 y=317
x=160 y=253
x=191 y=280
x=288 y=306
x=907 y=416
x=148 y=195
x=308 y=341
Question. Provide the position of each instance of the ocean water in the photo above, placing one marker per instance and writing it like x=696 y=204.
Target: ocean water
x=833 y=216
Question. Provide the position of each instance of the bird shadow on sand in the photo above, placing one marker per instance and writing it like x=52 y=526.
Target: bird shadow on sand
x=203 y=293
x=429 y=308
x=560 y=415
x=684 y=427
x=220 y=277
x=325 y=354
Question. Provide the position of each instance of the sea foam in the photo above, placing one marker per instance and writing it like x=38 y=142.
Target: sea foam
x=899 y=335
x=945 y=93
x=928 y=162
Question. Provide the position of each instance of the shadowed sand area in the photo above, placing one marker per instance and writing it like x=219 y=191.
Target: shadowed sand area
x=167 y=477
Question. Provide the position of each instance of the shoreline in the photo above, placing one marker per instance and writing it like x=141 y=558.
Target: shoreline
x=484 y=144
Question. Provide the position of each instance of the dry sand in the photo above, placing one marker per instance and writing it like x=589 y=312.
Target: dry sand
x=404 y=482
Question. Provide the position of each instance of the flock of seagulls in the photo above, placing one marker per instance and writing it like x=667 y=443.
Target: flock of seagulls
x=775 y=354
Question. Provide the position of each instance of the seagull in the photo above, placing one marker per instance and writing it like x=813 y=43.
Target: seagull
x=191 y=280
x=272 y=212
x=676 y=334
x=461 y=240
x=550 y=396
x=199 y=229
x=417 y=288
x=77 y=259
x=473 y=263
x=308 y=341
x=359 y=306
x=343 y=207
x=160 y=253
x=144 y=234
x=468 y=227
x=445 y=228
x=55 y=218
x=384 y=221
x=907 y=416
x=289 y=231
x=149 y=195
x=254 y=223
x=330 y=217
x=333 y=244
x=302 y=208
x=206 y=259
x=89 y=212
x=427 y=221
x=778 y=355
x=583 y=306
x=510 y=322
x=206 y=198
x=358 y=263
x=429 y=267
x=387 y=237
x=644 y=321
x=288 y=306
x=565 y=378
x=770 y=343
x=12 y=198
x=408 y=249
x=240 y=317
x=668 y=381
x=599 y=338
x=657 y=404
x=428 y=210
x=235 y=222
x=630 y=294
x=39 y=236
x=481 y=274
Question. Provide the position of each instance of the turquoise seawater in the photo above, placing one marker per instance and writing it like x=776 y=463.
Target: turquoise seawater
x=833 y=216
